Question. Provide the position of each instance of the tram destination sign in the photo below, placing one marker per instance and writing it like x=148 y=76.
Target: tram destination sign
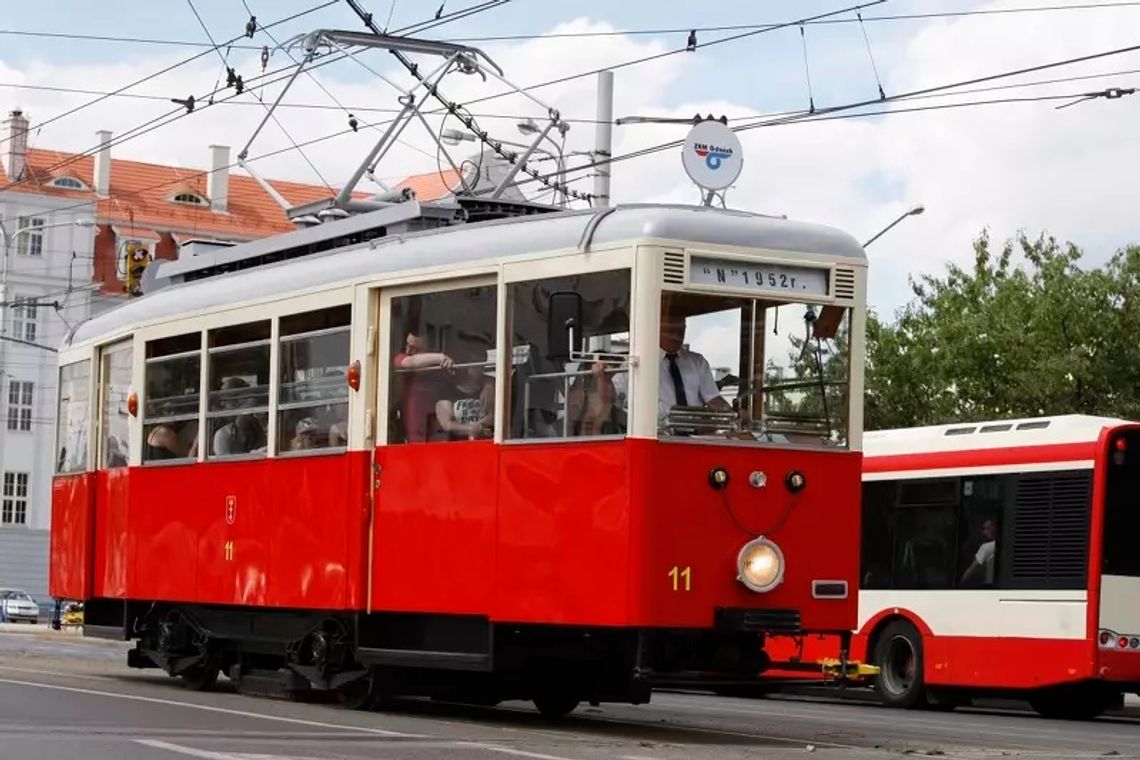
x=732 y=273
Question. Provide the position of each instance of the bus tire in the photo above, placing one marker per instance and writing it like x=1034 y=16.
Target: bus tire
x=898 y=653
x=1079 y=702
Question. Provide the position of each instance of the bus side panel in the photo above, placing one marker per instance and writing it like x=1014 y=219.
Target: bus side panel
x=113 y=534
x=235 y=511
x=687 y=551
x=318 y=518
x=564 y=534
x=1005 y=663
x=434 y=527
x=72 y=527
x=165 y=531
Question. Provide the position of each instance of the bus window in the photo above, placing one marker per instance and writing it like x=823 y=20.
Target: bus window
x=980 y=541
x=74 y=387
x=238 y=401
x=877 y=533
x=312 y=405
x=588 y=395
x=1121 y=516
x=442 y=349
x=171 y=398
x=115 y=386
x=925 y=556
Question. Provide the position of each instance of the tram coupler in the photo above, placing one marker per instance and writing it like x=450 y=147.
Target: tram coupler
x=844 y=670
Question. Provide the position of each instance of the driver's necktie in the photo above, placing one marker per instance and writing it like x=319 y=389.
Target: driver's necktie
x=678 y=382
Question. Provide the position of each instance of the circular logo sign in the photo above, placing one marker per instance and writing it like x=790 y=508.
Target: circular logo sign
x=712 y=156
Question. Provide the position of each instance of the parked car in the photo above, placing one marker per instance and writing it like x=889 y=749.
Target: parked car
x=17 y=606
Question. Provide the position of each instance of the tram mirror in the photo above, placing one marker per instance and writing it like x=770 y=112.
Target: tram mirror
x=565 y=325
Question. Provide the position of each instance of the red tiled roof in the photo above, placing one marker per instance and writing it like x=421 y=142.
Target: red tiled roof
x=431 y=186
x=142 y=193
x=134 y=232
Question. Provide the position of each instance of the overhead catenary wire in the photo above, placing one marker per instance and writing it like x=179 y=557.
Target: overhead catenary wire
x=167 y=69
x=658 y=32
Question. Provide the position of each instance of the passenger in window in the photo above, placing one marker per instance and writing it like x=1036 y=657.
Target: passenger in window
x=467 y=409
x=590 y=403
x=424 y=376
x=981 y=569
x=686 y=376
x=174 y=441
x=307 y=435
x=243 y=434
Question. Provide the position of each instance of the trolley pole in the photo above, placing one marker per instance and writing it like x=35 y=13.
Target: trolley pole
x=604 y=138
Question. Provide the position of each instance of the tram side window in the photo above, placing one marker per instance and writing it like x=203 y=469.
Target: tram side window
x=238 y=400
x=115 y=387
x=171 y=397
x=74 y=405
x=588 y=396
x=442 y=363
x=313 y=400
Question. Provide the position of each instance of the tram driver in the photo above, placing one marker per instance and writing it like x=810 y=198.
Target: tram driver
x=686 y=376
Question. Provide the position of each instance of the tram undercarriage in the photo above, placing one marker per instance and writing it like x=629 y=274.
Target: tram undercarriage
x=365 y=658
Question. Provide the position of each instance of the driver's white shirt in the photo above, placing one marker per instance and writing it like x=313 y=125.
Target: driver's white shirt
x=696 y=376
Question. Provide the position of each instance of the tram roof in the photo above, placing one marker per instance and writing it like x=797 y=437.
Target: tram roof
x=993 y=434
x=466 y=243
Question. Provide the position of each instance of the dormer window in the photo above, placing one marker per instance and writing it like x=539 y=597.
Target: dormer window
x=191 y=199
x=67 y=183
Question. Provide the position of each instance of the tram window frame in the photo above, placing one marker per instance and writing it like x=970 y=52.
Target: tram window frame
x=73 y=428
x=561 y=414
x=477 y=338
x=161 y=353
x=113 y=396
x=326 y=396
x=249 y=344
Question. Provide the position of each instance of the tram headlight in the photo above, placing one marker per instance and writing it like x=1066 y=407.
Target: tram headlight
x=760 y=565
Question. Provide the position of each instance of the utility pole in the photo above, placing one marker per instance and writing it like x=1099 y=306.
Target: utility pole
x=604 y=138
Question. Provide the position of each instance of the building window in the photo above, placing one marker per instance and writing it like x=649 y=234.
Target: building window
x=15 y=505
x=68 y=183
x=30 y=243
x=190 y=198
x=24 y=319
x=20 y=405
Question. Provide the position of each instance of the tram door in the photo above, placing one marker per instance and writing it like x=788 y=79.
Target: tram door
x=435 y=461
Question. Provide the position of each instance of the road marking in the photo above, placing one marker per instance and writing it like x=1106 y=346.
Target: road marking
x=202 y=753
x=509 y=751
x=211 y=708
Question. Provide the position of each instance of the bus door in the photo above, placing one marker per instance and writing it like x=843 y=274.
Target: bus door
x=435 y=462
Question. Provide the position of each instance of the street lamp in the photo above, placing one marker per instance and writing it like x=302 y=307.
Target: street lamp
x=912 y=212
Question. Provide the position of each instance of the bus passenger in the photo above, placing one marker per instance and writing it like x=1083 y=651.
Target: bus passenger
x=686 y=377
x=590 y=404
x=421 y=389
x=172 y=441
x=306 y=435
x=983 y=563
x=466 y=411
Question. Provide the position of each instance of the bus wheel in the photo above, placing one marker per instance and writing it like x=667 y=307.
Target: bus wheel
x=556 y=705
x=898 y=653
x=1080 y=702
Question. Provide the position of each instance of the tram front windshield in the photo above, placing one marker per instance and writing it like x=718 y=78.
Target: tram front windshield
x=753 y=369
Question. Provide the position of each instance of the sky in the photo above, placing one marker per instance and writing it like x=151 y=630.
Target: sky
x=1000 y=168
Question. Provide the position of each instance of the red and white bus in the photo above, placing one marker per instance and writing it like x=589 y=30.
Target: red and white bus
x=399 y=453
x=1000 y=558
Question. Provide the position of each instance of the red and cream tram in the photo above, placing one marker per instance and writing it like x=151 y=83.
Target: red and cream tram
x=999 y=559
x=450 y=459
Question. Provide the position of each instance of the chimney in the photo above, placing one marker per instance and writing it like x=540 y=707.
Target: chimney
x=17 y=145
x=218 y=180
x=103 y=163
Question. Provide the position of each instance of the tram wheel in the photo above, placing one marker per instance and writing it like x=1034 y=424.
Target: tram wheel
x=556 y=705
x=201 y=677
x=356 y=695
x=1079 y=702
x=898 y=653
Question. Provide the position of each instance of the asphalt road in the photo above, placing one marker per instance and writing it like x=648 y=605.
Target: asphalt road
x=63 y=697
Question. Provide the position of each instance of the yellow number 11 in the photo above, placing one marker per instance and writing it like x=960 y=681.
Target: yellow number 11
x=682 y=577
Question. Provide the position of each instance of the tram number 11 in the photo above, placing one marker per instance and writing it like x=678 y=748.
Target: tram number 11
x=229 y=551
x=682 y=578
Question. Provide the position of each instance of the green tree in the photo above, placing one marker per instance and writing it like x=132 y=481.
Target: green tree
x=1006 y=338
